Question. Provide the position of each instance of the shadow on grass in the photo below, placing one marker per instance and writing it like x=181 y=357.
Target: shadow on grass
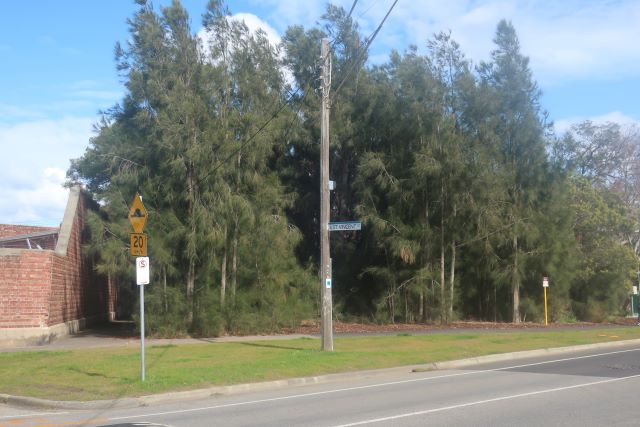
x=91 y=374
x=123 y=394
x=276 y=346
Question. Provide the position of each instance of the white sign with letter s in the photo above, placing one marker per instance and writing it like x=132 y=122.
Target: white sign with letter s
x=142 y=270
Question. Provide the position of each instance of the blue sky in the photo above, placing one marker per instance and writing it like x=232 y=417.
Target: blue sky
x=58 y=70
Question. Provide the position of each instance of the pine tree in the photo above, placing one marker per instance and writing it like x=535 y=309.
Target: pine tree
x=520 y=149
x=190 y=137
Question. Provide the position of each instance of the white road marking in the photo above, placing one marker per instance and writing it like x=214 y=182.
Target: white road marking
x=482 y=402
x=342 y=390
x=35 y=414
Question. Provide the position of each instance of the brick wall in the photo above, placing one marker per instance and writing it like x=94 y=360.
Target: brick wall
x=10 y=230
x=24 y=288
x=44 y=288
x=77 y=291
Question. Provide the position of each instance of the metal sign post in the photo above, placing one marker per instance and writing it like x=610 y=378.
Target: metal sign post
x=138 y=248
x=142 y=279
x=141 y=332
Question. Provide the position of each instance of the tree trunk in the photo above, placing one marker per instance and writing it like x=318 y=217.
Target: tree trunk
x=443 y=303
x=452 y=274
x=432 y=309
x=406 y=306
x=392 y=307
x=427 y=259
x=234 y=264
x=191 y=261
x=164 y=289
x=190 y=287
x=442 y=265
x=236 y=226
x=516 y=282
x=495 y=302
x=223 y=270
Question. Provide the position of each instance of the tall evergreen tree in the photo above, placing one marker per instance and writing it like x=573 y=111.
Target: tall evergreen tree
x=520 y=149
x=191 y=136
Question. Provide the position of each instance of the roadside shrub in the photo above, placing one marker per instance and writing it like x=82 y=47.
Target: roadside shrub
x=264 y=310
x=530 y=311
x=165 y=313
x=590 y=311
x=207 y=317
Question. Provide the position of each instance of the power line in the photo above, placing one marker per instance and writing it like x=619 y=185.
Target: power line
x=288 y=101
x=264 y=125
x=364 y=49
x=244 y=144
x=353 y=6
x=335 y=39
x=260 y=129
x=374 y=3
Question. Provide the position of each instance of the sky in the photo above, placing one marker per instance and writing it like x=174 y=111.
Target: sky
x=58 y=72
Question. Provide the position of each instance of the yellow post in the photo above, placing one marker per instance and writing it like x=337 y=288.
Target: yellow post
x=545 y=306
x=545 y=285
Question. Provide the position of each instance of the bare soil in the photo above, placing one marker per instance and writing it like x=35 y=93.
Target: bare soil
x=373 y=328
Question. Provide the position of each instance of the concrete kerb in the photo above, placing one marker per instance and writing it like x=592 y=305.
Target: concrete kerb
x=148 y=400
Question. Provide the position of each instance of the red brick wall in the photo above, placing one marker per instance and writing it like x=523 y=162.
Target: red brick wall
x=76 y=290
x=41 y=288
x=24 y=289
x=9 y=230
x=66 y=286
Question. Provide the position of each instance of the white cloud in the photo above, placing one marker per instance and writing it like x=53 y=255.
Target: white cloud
x=35 y=157
x=43 y=204
x=254 y=24
x=562 y=126
x=583 y=40
x=91 y=90
x=77 y=98
x=565 y=40
x=10 y=113
x=295 y=12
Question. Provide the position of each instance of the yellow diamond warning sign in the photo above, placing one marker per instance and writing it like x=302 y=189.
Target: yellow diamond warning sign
x=137 y=214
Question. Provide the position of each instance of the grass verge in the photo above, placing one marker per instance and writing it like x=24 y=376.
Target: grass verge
x=109 y=373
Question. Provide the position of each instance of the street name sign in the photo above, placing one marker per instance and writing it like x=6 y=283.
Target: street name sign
x=345 y=226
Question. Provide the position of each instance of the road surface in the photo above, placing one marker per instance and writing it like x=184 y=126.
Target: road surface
x=588 y=388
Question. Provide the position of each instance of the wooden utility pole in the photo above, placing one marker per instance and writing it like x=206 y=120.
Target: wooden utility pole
x=325 y=268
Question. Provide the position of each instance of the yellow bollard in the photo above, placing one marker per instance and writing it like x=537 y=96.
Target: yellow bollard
x=545 y=306
x=545 y=285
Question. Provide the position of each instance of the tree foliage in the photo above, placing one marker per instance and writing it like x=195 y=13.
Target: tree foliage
x=467 y=199
x=186 y=137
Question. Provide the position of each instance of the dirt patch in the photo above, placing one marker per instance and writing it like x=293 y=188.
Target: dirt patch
x=364 y=328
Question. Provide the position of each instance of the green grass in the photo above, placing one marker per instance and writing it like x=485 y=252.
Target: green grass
x=110 y=373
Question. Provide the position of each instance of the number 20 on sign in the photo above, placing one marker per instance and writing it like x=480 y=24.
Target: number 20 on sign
x=138 y=245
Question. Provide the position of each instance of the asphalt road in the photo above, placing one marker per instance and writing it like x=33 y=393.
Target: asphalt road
x=594 y=388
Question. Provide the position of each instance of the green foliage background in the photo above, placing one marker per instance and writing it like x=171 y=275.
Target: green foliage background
x=466 y=196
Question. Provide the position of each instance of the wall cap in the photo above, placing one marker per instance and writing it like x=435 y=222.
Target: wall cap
x=67 y=222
